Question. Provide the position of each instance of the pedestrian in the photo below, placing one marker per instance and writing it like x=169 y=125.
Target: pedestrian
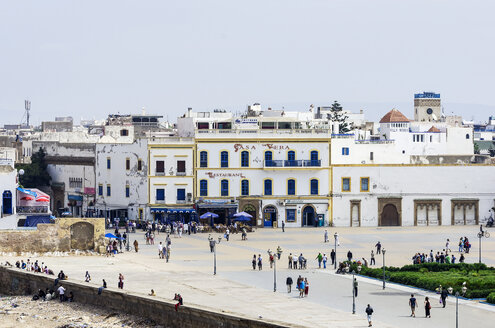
x=443 y=296
x=447 y=246
x=279 y=252
x=294 y=261
x=87 y=277
x=427 y=307
x=325 y=237
x=349 y=256
x=453 y=259
x=332 y=256
x=289 y=284
x=369 y=312
x=413 y=304
x=160 y=250
x=253 y=262
x=324 y=261
x=227 y=234
x=260 y=262
x=283 y=226
x=104 y=284
x=302 y=287
x=61 y=293
x=179 y=300
x=121 y=281
x=319 y=257
x=461 y=245
x=290 y=261
x=271 y=258
x=378 y=248
x=168 y=253
x=461 y=259
x=306 y=287
x=355 y=284
x=136 y=245
x=372 y=262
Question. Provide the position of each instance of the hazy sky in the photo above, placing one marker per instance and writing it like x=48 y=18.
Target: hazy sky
x=91 y=58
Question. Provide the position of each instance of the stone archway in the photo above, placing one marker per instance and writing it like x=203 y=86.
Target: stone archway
x=308 y=216
x=390 y=211
x=82 y=236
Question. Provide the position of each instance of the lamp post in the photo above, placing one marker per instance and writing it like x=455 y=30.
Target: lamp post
x=353 y=294
x=383 y=252
x=457 y=294
x=279 y=252
x=335 y=237
x=481 y=234
x=215 y=254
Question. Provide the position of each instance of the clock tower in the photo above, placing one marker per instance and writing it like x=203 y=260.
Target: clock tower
x=427 y=107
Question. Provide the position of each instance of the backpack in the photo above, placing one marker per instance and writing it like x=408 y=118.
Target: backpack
x=369 y=310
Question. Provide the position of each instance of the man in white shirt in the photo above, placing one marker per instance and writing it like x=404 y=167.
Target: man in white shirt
x=160 y=250
x=61 y=293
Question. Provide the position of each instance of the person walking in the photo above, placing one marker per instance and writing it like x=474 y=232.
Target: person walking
x=306 y=287
x=461 y=245
x=372 y=262
x=349 y=256
x=253 y=262
x=324 y=261
x=413 y=304
x=302 y=287
x=294 y=261
x=87 y=277
x=260 y=262
x=168 y=251
x=369 y=312
x=447 y=246
x=121 y=281
x=443 y=296
x=290 y=261
x=136 y=245
x=355 y=284
x=319 y=257
x=160 y=250
x=332 y=256
x=289 y=284
x=378 y=248
x=61 y=293
x=427 y=307
x=283 y=226
x=325 y=237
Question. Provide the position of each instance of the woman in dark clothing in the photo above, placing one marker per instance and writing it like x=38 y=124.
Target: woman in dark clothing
x=254 y=262
x=427 y=307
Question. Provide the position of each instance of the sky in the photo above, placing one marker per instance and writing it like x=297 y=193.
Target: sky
x=87 y=59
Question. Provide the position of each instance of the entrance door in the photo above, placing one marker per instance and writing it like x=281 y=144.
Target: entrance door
x=7 y=202
x=269 y=216
x=390 y=216
x=308 y=216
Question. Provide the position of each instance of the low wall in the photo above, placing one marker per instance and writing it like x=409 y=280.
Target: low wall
x=19 y=282
x=60 y=236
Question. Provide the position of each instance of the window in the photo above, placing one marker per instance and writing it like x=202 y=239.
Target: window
x=346 y=184
x=268 y=187
x=345 y=151
x=371 y=155
x=109 y=190
x=127 y=164
x=291 y=187
x=224 y=159
x=203 y=159
x=268 y=156
x=467 y=135
x=224 y=188
x=203 y=188
x=245 y=159
x=109 y=163
x=365 y=184
x=127 y=191
x=291 y=155
x=100 y=190
x=314 y=186
x=160 y=167
x=181 y=166
x=431 y=138
x=140 y=165
x=160 y=194
x=124 y=133
x=245 y=188
x=314 y=157
x=75 y=182
x=181 y=194
x=290 y=215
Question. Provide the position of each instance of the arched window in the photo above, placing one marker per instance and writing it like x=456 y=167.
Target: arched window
x=467 y=135
x=244 y=158
x=245 y=188
x=314 y=186
x=224 y=159
x=291 y=187
x=314 y=158
x=224 y=187
x=203 y=159
x=291 y=155
x=268 y=187
x=269 y=158
x=203 y=188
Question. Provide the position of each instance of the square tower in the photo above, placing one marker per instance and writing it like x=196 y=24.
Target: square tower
x=427 y=107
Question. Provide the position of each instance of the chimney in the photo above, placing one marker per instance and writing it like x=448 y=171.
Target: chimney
x=189 y=111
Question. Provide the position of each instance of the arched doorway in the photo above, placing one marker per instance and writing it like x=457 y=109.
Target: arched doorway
x=7 y=202
x=390 y=216
x=308 y=216
x=82 y=236
x=269 y=216
x=251 y=210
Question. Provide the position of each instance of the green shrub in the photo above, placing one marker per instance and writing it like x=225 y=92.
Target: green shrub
x=491 y=298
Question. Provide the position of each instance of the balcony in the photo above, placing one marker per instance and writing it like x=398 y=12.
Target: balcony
x=293 y=163
x=271 y=163
x=312 y=162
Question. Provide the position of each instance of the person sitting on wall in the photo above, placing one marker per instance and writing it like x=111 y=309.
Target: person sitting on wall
x=178 y=298
x=152 y=293
x=61 y=275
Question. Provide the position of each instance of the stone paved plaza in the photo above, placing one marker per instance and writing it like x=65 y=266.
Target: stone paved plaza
x=238 y=289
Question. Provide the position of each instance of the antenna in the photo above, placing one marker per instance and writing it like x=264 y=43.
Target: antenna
x=27 y=106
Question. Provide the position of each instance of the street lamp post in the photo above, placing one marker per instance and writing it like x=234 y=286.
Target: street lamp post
x=279 y=252
x=353 y=294
x=383 y=252
x=215 y=255
x=481 y=234
x=335 y=237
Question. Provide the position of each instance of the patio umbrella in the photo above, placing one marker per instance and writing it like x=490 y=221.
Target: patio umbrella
x=243 y=214
x=109 y=235
x=242 y=218
x=209 y=215
x=27 y=198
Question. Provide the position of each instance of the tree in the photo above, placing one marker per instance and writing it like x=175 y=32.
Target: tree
x=35 y=174
x=337 y=115
x=476 y=148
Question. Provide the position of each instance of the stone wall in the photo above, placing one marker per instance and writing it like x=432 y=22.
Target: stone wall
x=63 y=235
x=18 y=282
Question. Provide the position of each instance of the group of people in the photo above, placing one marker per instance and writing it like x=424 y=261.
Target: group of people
x=165 y=250
x=302 y=286
x=444 y=256
x=464 y=245
x=32 y=266
x=294 y=260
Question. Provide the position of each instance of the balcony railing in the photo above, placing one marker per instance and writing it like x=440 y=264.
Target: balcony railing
x=293 y=163
x=312 y=162
x=270 y=163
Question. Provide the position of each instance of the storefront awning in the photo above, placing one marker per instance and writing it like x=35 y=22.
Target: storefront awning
x=172 y=210
x=75 y=197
